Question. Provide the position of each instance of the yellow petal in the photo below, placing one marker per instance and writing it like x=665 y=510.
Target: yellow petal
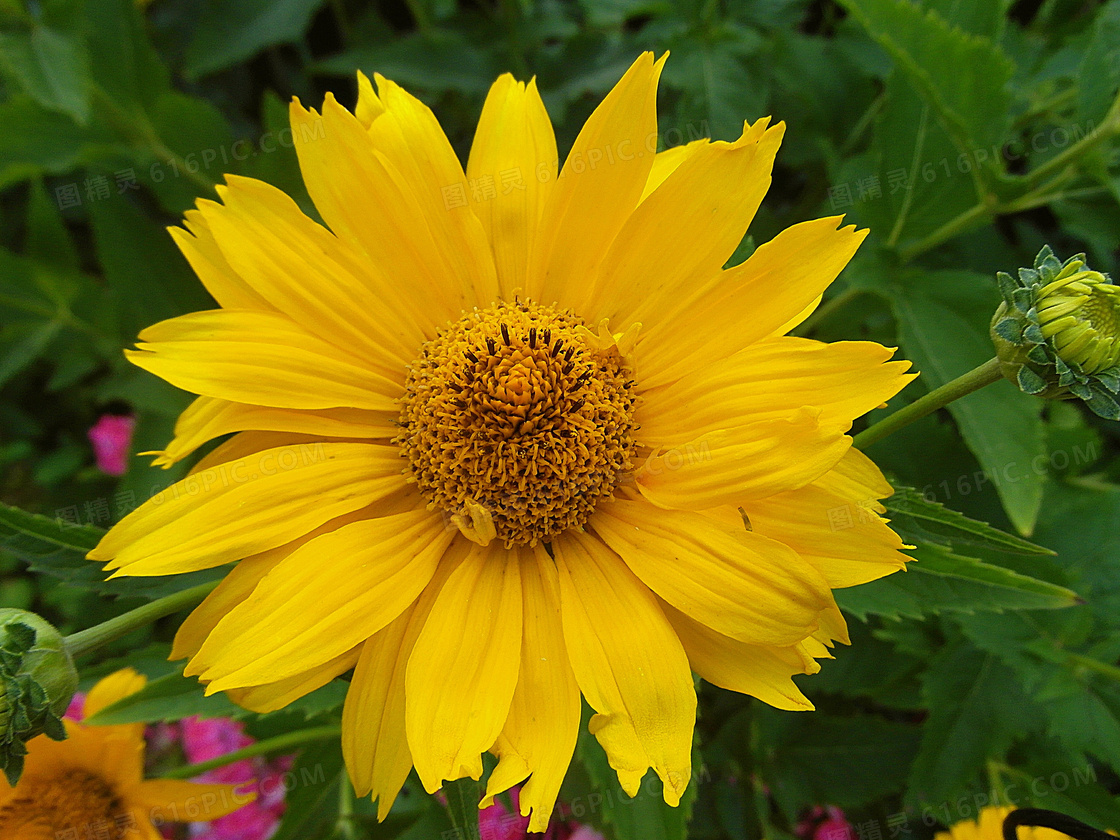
x=666 y=162
x=234 y=588
x=771 y=380
x=834 y=525
x=307 y=273
x=207 y=418
x=679 y=238
x=628 y=663
x=108 y=690
x=168 y=800
x=409 y=136
x=749 y=302
x=272 y=696
x=738 y=583
x=299 y=616
x=244 y=577
x=247 y=506
x=730 y=466
x=761 y=671
x=374 y=744
x=462 y=672
x=598 y=187
x=369 y=107
x=369 y=203
x=540 y=733
x=262 y=358
x=114 y=753
x=511 y=171
x=373 y=740
x=209 y=263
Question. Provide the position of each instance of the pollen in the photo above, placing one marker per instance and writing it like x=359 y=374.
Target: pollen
x=517 y=421
x=58 y=806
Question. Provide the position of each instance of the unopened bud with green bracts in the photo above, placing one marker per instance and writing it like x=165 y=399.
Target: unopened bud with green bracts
x=1057 y=332
x=37 y=682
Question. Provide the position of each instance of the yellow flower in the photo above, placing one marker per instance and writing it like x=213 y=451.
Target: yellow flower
x=989 y=826
x=92 y=783
x=507 y=435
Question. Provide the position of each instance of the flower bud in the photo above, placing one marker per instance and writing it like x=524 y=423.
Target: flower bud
x=37 y=682
x=1057 y=332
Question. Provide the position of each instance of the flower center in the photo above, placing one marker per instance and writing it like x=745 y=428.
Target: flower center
x=517 y=421
x=1081 y=314
x=73 y=800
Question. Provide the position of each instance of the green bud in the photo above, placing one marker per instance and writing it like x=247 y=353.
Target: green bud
x=1057 y=332
x=37 y=682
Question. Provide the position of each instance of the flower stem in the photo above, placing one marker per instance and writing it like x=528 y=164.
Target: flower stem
x=90 y=639
x=269 y=745
x=974 y=380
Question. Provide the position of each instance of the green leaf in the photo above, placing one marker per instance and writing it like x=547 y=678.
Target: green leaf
x=976 y=709
x=941 y=581
x=463 y=796
x=438 y=60
x=128 y=244
x=974 y=106
x=311 y=810
x=196 y=149
x=913 y=516
x=230 y=31
x=51 y=67
x=718 y=87
x=36 y=140
x=48 y=240
x=1099 y=76
x=943 y=328
x=57 y=547
x=850 y=762
x=172 y=697
x=925 y=181
x=1082 y=707
x=127 y=71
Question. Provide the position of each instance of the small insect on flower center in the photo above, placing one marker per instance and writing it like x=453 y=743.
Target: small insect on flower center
x=58 y=806
x=517 y=422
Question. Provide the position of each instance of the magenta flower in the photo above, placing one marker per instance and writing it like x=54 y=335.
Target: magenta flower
x=828 y=823
x=111 y=438
x=207 y=739
x=499 y=823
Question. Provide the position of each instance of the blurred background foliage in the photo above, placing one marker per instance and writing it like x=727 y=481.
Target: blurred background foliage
x=964 y=135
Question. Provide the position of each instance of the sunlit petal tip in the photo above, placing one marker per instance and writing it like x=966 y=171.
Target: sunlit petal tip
x=369 y=106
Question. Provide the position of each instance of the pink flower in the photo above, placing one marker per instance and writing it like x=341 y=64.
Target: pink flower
x=499 y=823
x=207 y=739
x=111 y=438
x=827 y=823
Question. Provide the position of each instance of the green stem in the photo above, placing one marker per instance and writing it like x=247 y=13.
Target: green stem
x=85 y=641
x=1108 y=129
x=974 y=380
x=270 y=745
x=995 y=783
x=951 y=228
x=1041 y=184
x=1087 y=662
x=345 y=826
x=420 y=15
x=139 y=132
